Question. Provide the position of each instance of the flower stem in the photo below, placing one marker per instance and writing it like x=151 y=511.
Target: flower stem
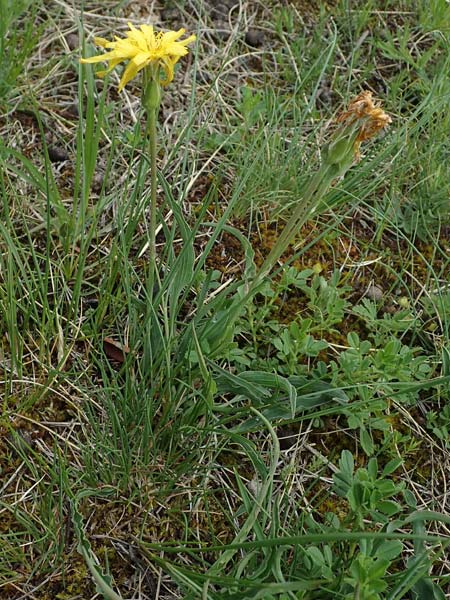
x=151 y=131
x=313 y=194
x=222 y=329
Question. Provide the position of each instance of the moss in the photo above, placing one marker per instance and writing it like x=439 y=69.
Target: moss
x=335 y=505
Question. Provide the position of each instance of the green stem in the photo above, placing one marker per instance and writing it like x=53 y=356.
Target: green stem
x=315 y=191
x=261 y=502
x=151 y=131
x=151 y=98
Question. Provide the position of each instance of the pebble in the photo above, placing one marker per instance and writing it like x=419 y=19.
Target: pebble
x=97 y=182
x=374 y=293
x=57 y=154
x=72 y=41
x=72 y=110
x=254 y=37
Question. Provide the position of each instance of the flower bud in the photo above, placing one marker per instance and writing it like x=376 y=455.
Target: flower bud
x=361 y=121
x=341 y=149
x=152 y=95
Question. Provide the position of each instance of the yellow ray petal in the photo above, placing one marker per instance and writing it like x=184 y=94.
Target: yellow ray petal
x=168 y=65
x=149 y=33
x=137 y=38
x=113 y=63
x=171 y=36
x=99 y=58
x=98 y=41
x=133 y=68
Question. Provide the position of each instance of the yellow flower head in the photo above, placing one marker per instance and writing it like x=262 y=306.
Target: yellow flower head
x=143 y=47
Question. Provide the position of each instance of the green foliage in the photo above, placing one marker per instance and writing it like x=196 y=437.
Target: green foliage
x=381 y=329
x=361 y=366
x=420 y=204
x=374 y=376
x=434 y=15
x=357 y=555
x=286 y=346
x=294 y=343
x=369 y=495
x=439 y=423
x=18 y=35
x=325 y=300
x=373 y=500
x=183 y=428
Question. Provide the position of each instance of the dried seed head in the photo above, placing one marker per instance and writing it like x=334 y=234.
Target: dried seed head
x=367 y=116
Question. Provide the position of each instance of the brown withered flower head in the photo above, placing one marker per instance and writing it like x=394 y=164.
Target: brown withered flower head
x=369 y=117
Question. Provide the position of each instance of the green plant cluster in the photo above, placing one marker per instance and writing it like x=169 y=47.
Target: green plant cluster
x=243 y=436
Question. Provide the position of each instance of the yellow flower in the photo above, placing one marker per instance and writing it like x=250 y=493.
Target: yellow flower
x=143 y=48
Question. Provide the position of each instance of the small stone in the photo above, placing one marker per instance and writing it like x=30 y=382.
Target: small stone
x=169 y=14
x=72 y=41
x=72 y=110
x=221 y=8
x=57 y=154
x=254 y=37
x=374 y=293
x=97 y=182
x=204 y=77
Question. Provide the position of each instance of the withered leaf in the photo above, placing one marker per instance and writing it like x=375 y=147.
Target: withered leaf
x=115 y=350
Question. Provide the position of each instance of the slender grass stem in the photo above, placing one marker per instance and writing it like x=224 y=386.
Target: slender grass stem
x=152 y=137
x=313 y=194
x=316 y=189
